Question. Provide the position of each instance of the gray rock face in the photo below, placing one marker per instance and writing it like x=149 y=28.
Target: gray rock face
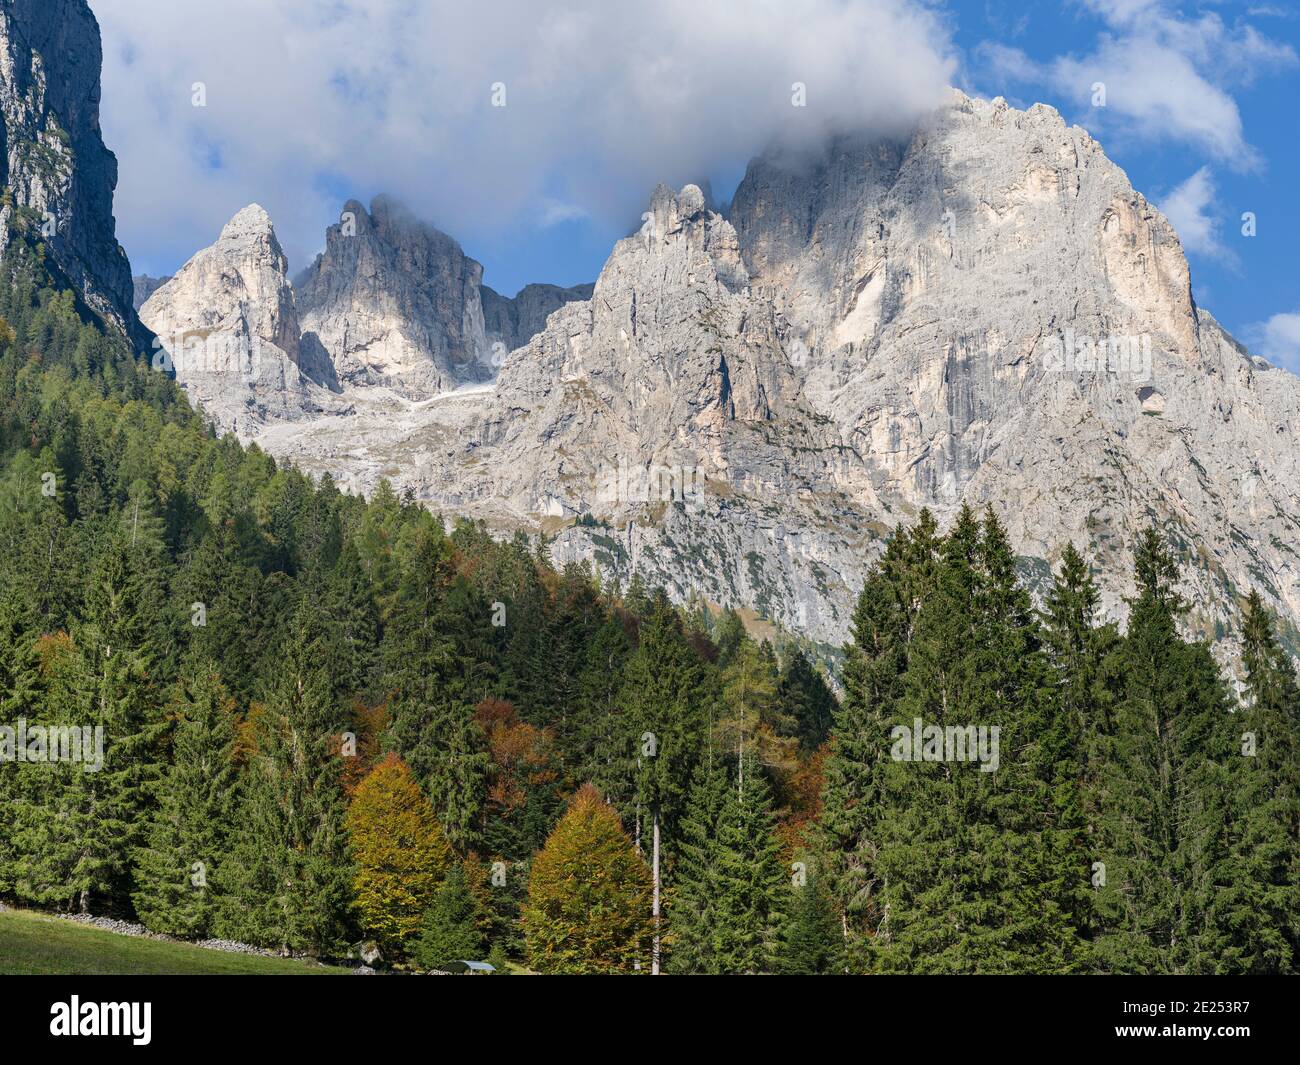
x=395 y=302
x=986 y=313
x=58 y=174
x=512 y=323
x=228 y=324
x=144 y=286
x=991 y=314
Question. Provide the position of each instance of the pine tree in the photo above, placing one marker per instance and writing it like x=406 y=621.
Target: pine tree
x=189 y=830
x=1165 y=793
x=449 y=930
x=875 y=663
x=1257 y=915
x=810 y=942
x=289 y=880
x=588 y=908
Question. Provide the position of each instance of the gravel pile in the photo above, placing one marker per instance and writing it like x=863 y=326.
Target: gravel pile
x=128 y=928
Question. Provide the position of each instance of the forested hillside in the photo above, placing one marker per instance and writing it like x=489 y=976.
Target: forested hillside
x=329 y=720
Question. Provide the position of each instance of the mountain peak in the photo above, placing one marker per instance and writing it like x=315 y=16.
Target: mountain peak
x=250 y=219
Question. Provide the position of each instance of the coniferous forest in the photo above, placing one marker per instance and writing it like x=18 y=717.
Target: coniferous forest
x=331 y=721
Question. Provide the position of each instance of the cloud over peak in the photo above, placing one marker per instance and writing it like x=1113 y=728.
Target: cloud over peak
x=525 y=115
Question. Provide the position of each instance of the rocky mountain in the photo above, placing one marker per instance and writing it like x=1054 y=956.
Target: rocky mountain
x=227 y=324
x=396 y=302
x=58 y=175
x=144 y=286
x=991 y=314
x=742 y=407
x=513 y=322
x=985 y=312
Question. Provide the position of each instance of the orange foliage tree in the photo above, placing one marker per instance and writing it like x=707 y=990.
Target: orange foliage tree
x=521 y=755
x=400 y=852
x=588 y=908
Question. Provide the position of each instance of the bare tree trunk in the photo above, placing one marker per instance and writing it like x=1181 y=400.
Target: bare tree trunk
x=654 y=957
x=638 y=806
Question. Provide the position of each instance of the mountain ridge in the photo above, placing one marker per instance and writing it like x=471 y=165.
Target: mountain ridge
x=743 y=407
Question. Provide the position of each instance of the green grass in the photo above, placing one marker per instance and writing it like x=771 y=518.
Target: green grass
x=32 y=944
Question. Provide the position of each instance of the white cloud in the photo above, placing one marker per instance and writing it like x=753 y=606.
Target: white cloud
x=1191 y=207
x=1167 y=77
x=556 y=212
x=1278 y=340
x=309 y=101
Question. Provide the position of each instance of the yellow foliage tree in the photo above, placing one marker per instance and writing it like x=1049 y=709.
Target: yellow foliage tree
x=588 y=907
x=400 y=852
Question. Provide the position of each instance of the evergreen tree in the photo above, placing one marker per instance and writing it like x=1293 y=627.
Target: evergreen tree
x=608 y=749
x=1165 y=802
x=449 y=930
x=189 y=831
x=665 y=698
x=752 y=885
x=884 y=621
x=1257 y=914
x=20 y=693
x=78 y=838
x=805 y=701
x=433 y=725
x=810 y=942
x=693 y=917
x=289 y=882
x=730 y=887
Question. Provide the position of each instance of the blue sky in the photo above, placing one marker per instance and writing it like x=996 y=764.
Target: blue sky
x=309 y=102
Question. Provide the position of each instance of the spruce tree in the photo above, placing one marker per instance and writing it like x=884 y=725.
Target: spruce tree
x=449 y=930
x=289 y=881
x=752 y=884
x=665 y=699
x=693 y=917
x=875 y=663
x=78 y=845
x=432 y=684
x=1165 y=801
x=810 y=941
x=20 y=695
x=1257 y=915
x=805 y=700
x=179 y=865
